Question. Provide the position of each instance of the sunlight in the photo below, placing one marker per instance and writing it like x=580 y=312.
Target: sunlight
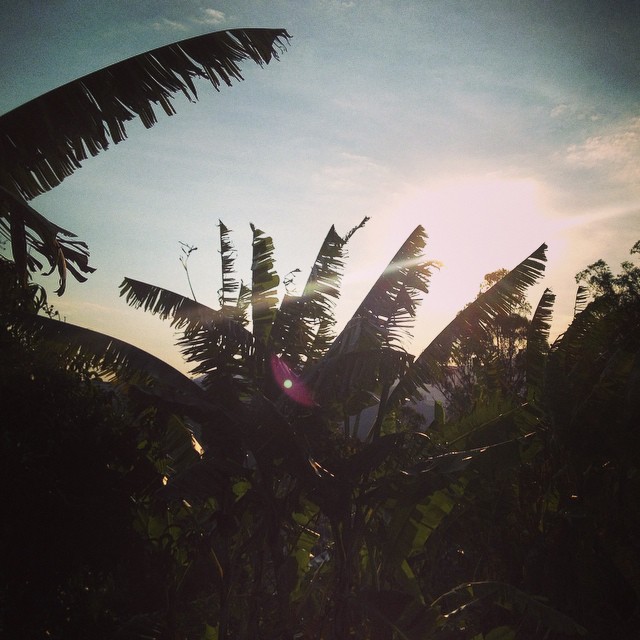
x=475 y=225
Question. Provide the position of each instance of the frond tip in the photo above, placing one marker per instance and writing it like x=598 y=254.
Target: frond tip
x=45 y=140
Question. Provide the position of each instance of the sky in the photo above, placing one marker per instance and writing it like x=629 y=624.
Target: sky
x=497 y=125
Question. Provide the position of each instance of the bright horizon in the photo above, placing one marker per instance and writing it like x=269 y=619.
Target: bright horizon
x=495 y=127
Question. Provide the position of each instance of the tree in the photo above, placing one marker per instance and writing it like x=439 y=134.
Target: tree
x=47 y=139
x=493 y=360
x=591 y=397
x=298 y=525
x=553 y=515
x=252 y=504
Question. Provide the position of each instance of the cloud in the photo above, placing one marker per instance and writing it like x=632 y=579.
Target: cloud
x=206 y=17
x=560 y=110
x=615 y=150
x=351 y=172
x=210 y=16
x=170 y=25
x=563 y=110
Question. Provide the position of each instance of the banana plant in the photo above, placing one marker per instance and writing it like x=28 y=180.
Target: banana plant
x=46 y=139
x=281 y=396
x=348 y=488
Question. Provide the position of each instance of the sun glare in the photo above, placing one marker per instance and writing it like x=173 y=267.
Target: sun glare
x=475 y=226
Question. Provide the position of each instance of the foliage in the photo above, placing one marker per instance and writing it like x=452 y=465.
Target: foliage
x=470 y=346
x=70 y=468
x=489 y=361
x=289 y=523
x=592 y=398
x=290 y=492
x=45 y=140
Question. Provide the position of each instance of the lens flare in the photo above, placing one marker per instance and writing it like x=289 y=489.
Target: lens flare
x=290 y=383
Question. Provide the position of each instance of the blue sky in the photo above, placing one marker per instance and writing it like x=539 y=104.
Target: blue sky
x=496 y=125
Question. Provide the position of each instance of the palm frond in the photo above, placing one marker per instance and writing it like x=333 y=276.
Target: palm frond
x=211 y=338
x=538 y=342
x=323 y=285
x=387 y=311
x=365 y=360
x=499 y=300
x=357 y=379
x=302 y=328
x=108 y=356
x=581 y=301
x=45 y=140
x=264 y=283
x=229 y=289
x=351 y=231
x=242 y=305
x=29 y=230
x=184 y=312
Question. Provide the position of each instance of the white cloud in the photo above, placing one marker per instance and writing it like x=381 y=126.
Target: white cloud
x=559 y=110
x=564 y=110
x=351 y=172
x=615 y=150
x=339 y=5
x=206 y=16
x=210 y=16
x=171 y=25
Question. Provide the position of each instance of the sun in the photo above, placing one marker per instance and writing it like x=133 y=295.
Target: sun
x=475 y=224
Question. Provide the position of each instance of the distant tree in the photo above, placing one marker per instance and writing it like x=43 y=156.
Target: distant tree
x=592 y=399
x=554 y=514
x=600 y=282
x=491 y=359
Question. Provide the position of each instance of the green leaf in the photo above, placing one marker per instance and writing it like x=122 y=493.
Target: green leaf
x=501 y=633
x=240 y=488
x=264 y=283
x=210 y=633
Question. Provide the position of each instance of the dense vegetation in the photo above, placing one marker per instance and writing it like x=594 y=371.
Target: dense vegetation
x=517 y=519
x=295 y=491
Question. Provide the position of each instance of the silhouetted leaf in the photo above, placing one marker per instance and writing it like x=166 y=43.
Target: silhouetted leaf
x=229 y=289
x=368 y=353
x=302 y=328
x=45 y=140
x=499 y=300
x=538 y=342
x=264 y=283
x=29 y=230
